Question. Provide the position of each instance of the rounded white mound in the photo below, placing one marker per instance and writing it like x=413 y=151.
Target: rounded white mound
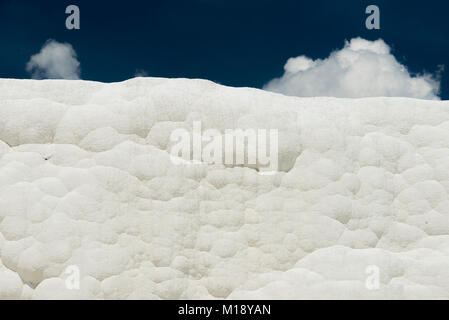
x=86 y=182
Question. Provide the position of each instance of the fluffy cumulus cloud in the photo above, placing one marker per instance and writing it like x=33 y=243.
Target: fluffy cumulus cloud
x=361 y=69
x=55 y=61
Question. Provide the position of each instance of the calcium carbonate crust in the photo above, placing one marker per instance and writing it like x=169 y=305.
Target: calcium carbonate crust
x=86 y=180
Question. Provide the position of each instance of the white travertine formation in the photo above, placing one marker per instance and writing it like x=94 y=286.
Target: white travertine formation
x=86 y=180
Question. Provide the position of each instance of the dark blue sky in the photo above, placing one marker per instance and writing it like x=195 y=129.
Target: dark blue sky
x=233 y=42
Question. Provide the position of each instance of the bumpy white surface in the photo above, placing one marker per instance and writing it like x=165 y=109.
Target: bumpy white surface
x=86 y=180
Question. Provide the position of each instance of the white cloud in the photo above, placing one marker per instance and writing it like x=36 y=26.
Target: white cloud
x=55 y=61
x=361 y=69
x=141 y=73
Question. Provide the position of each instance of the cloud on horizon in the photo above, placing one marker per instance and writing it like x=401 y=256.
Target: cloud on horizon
x=361 y=68
x=55 y=61
x=140 y=73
